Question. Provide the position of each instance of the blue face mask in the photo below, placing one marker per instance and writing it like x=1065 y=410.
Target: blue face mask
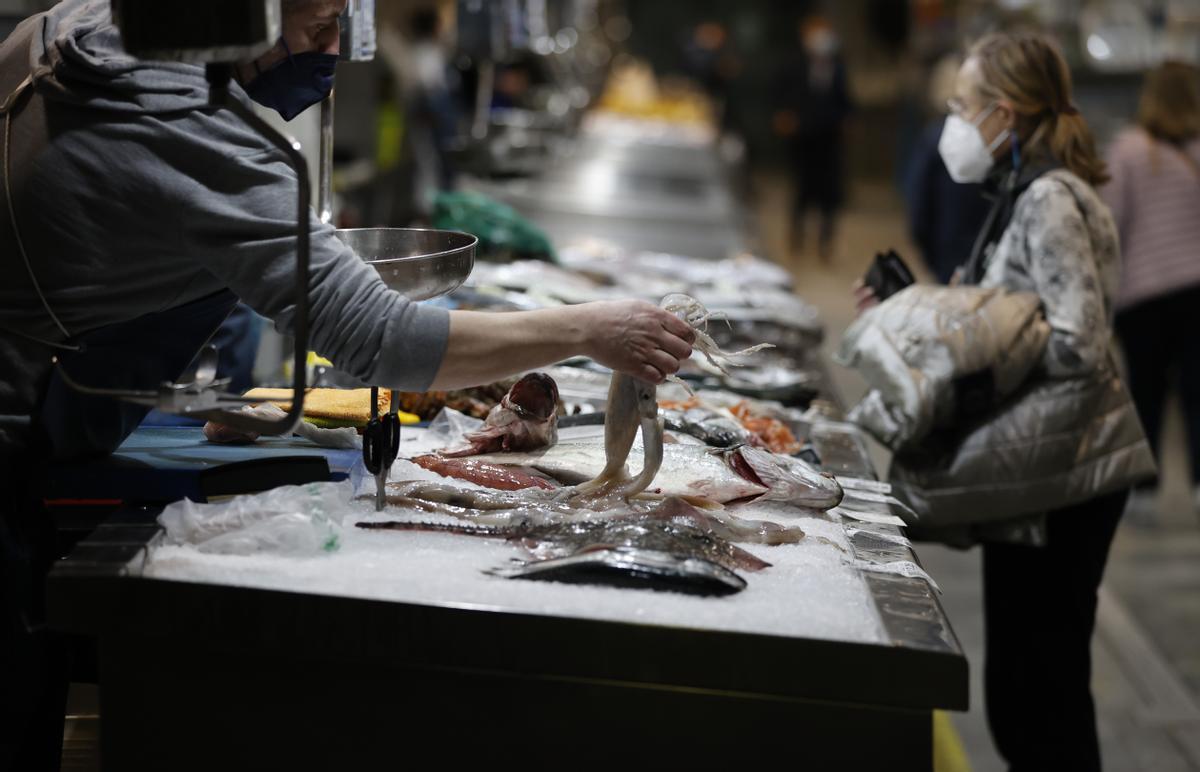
x=295 y=84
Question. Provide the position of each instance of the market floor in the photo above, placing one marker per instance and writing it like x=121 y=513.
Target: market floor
x=1146 y=672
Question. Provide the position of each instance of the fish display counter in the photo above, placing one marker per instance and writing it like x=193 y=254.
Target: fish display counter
x=400 y=641
x=753 y=595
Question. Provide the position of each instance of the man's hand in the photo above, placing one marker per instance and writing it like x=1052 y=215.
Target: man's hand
x=630 y=336
x=637 y=338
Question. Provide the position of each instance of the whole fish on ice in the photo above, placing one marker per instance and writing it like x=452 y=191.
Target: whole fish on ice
x=720 y=431
x=675 y=530
x=525 y=418
x=694 y=470
x=534 y=507
x=685 y=470
x=600 y=471
x=494 y=476
x=631 y=568
x=789 y=479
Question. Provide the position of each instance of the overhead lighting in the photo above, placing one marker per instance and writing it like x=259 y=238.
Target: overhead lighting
x=1098 y=47
x=598 y=182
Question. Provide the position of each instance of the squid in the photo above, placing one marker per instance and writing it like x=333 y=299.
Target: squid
x=633 y=404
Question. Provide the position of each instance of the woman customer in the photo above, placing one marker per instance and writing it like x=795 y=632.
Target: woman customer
x=1155 y=198
x=1040 y=479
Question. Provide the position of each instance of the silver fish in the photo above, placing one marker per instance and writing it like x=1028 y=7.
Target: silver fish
x=676 y=536
x=632 y=568
x=502 y=509
x=792 y=480
x=685 y=470
x=726 y=525
x=696 y=471
x=710 y=427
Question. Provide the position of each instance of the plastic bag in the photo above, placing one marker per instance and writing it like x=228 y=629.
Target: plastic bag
x=448 y=427
x=289 y=520
x=504 y=235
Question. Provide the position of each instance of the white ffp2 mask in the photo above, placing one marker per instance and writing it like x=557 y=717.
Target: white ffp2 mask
x=962 y=148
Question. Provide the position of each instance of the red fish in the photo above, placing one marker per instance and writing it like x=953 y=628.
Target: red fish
x=504 y=478
x=525 y=419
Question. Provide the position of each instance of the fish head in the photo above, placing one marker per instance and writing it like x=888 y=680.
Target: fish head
x=535 y=394
x=792 y=479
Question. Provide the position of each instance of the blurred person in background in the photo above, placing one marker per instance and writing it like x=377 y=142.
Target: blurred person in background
x=944 y=217
x=430 y=105
x=1155 y=198
x=514 y=84
x=812 y=117
x=431 y=99
x=711 y=60
x=1060 y=456
x=703 y=54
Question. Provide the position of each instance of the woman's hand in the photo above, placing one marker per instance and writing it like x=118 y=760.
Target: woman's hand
x=864 y=297
x=637 y=338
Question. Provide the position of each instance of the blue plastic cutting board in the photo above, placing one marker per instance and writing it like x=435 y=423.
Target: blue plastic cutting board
x=162 y=464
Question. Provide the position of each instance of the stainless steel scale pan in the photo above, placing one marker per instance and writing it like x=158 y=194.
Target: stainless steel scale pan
x=420 y=264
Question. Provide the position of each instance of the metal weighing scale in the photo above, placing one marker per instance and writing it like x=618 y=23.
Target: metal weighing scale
x=420 y=264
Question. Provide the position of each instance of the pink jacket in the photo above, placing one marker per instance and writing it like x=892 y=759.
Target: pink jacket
x=1155 y=198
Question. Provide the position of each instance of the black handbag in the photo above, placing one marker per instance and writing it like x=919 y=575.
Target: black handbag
x=888 y=275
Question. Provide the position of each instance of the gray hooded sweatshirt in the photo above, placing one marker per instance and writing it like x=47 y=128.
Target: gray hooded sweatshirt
x=133 y=196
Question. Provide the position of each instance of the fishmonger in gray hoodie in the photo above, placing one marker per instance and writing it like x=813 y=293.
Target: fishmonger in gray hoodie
x=133 y=196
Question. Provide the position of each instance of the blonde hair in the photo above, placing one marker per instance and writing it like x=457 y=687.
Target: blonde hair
x=1026 y=69
x=1169 y=107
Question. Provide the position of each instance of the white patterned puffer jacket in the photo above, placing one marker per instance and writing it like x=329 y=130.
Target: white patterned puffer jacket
x=933 y=354
x=1071 y=432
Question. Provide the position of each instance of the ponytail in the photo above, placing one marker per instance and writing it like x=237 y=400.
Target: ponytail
x=1027 y=70
x=1070 y=141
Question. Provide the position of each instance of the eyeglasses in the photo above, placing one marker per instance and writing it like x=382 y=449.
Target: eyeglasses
x=955 y=106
